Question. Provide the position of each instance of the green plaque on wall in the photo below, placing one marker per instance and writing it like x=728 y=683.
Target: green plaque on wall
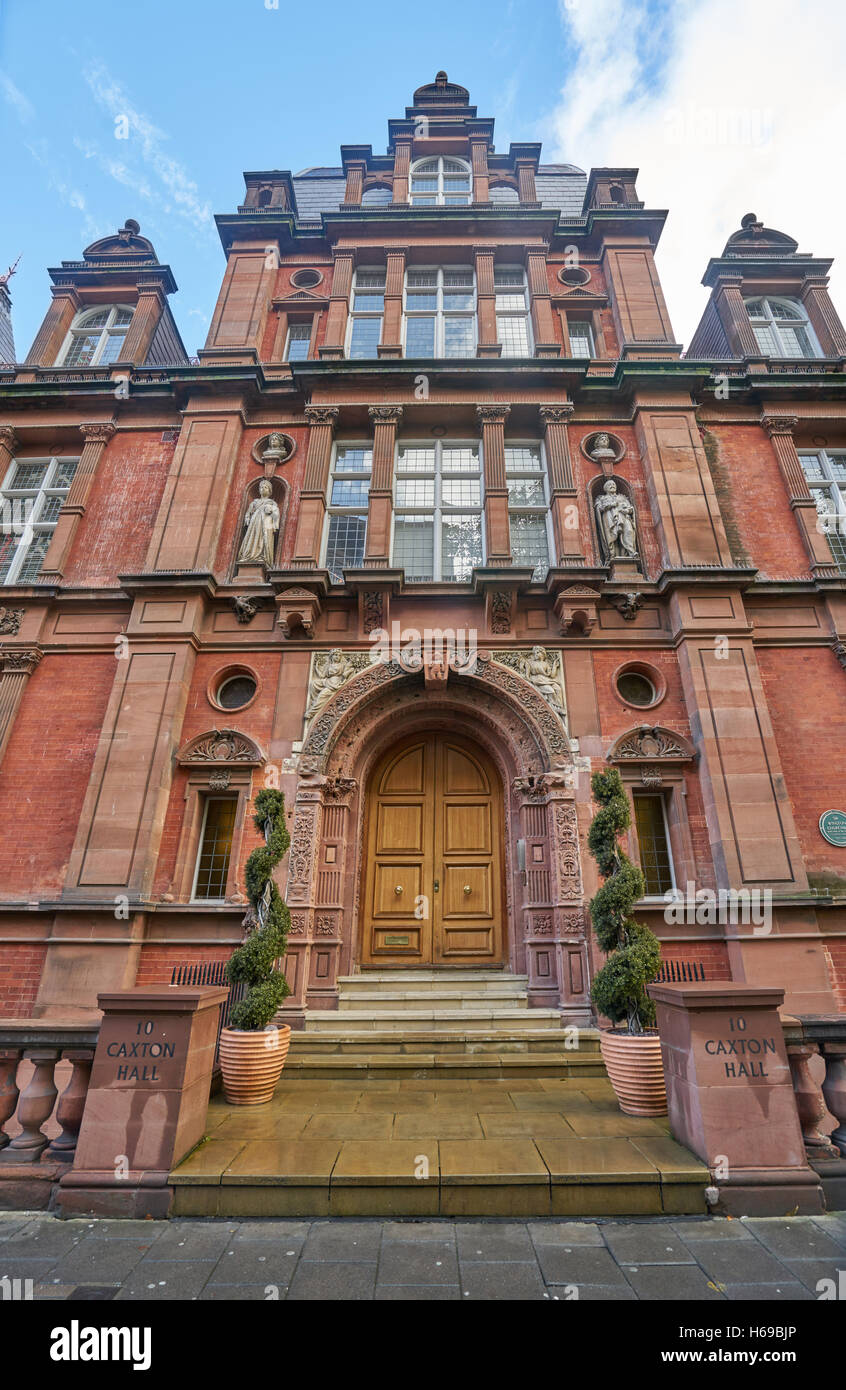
x=833 y=827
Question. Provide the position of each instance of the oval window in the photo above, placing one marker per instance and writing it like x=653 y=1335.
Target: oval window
x=636 y=688
x=236 y=691
x=305 y=279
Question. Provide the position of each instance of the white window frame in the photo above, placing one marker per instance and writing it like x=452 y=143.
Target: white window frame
x=106 y=331
x=299 y=323
x=22 y=520
x=334 y=509
x=509 y=310
x=591 y=340
x=771 y=321
x=540 y=509
x=440 y=314
x=439 y=510
x=829 y=494
x=437 y=197
x=356 y=315
x=207 y=802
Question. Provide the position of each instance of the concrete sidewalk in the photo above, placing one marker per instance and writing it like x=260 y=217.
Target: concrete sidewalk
x=653 y=1259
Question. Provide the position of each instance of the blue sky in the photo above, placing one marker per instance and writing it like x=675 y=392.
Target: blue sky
x=703 y=95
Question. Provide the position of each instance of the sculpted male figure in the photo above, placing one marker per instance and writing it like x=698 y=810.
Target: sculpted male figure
x=617 y=525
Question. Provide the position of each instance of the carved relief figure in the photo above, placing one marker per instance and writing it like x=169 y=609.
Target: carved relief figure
x=541 y=668
x=331 y=671
x=261 y=526
x=601 y=447
x=617 y=523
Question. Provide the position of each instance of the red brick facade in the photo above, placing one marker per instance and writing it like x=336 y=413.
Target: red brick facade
x=112 y=739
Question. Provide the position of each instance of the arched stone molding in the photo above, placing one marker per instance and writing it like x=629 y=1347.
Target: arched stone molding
x=651 y=743
x=221 y=747
x=501 y=712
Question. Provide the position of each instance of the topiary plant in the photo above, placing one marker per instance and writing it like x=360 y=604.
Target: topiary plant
x=267 y=922
x=633 y=951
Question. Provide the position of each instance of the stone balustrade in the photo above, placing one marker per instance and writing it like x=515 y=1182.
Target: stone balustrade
x=816 y=1050
x=45 y=1045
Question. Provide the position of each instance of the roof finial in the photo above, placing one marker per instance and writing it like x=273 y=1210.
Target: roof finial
x=4 y=279
x=441 y=78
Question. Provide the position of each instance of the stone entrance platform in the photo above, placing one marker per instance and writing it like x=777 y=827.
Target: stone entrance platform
x=487 y=1135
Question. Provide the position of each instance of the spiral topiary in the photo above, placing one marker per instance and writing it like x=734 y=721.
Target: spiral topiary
x=633 y=951
x=267 y=922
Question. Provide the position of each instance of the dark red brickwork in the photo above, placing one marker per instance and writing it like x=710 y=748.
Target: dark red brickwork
x=20 y=972
x=747 y=468
x=158 y=963
x=835 y=950
x=121 y=508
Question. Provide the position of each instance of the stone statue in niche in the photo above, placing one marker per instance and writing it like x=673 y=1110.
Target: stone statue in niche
x=276 y=449
x=616 y=523
x=331 y=671
x=261 y=526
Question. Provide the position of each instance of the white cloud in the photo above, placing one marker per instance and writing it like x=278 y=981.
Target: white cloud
x=168 y=184
x=15 y=98
x=727 y=107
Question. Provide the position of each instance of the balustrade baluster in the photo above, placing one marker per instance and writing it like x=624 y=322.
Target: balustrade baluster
x=71 y=1105
x=35 y=1106
x=809 y=1097
x=9 y=1059
x=834 y=1090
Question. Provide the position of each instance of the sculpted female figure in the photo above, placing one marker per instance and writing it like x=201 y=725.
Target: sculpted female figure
x=260 y=527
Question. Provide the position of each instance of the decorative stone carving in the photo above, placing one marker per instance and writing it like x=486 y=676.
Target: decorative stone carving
x=324 y=925
x=555 y=414
x=97 y=434
x=221 y=746
x=651 y=776
x=261 y=527
x=297 y=611
x=603 y=448
x=10 y=621
x=839 y=649
x=542 y=669
x=542 y=926
x=627 y=605
x=329 y=672
x=321 y=414
x=501 y=603
x=219 y=781
x=385 y=414
x=567 y=850
x=616 y=523
x=573 y=923
x=302 y=847
x=298 y=924
x=20 y=662
x=492 y=414
x=245 y=607
x=339 y=788
x=273 y=449
x=575 y=608
x=372 y=610
x=646 y=744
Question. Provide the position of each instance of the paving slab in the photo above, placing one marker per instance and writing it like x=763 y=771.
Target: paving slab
x=788 y=1292
x=485 y=1280
x=325 y=1280
x=578 y=1265
x=739 y=1261
x=500 y=1241
x=280 y=1162
x=397 y=1161
x=169 y=1279
x=639 y=1243
x=429 y=1262
x=673 y=1283
x=499 y=1161
x=250 y=1261
x=416 y=1293
x=566 y=1233
x=797 y=1239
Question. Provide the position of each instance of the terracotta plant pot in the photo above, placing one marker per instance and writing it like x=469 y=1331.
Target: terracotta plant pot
x=252 y=1063
x=635 y=1070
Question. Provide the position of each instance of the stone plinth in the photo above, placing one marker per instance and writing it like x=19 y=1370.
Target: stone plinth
x=147 y=1100
x=730 y=1095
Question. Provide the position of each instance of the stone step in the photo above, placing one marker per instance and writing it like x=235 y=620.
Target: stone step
x=420 y=998
x=428 y=1020
x=369 y=1067
x=464 y=1040
x=421 y=977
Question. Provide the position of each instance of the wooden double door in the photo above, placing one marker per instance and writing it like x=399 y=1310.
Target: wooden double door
x=432 y=877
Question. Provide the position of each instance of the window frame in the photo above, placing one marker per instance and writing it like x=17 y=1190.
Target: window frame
x=234 y=799
x=440 y=314
x=439 y=510
x=772 y=321
x=355 y=316
x=662 y=794
x=833 y=487
x=512 y=312
x=334 y=509
x=591 y=339
x=438 y=196
x=299 y=323
x=78 y=330
x=31 y=526
x=541 y=509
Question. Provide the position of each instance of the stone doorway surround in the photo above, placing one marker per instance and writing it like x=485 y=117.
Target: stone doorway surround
x=493 y=706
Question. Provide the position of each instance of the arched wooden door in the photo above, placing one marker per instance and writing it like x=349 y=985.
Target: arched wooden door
x=432 y=877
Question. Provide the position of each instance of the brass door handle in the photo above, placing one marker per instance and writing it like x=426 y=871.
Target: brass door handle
x=398 y=889
x=467 y=888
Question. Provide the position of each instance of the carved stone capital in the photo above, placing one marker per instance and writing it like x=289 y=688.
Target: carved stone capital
x=20 y=663
x=10 y=621
x=555 y=414
x=321 y=414
x=8 y=438
x=492 y=414
x=386 y=414
x=97 y=434
x=779 y=424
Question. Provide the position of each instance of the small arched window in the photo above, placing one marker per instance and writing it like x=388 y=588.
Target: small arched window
x=781 y=328
x=96 y=337
x=377 y=196
x=440 y=181
x=504 y=193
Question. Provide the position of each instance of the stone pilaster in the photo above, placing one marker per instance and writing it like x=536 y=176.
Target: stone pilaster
x=96 y=437
x=525 y=169
x=487 y=342
x=402 y=164
x=9 y=444
x=479 y=164
x=825 y=319
x=54 y=329
x=321 y=423
x=780 y=429
x=541 y=302
x=386 y=420
x=728 y=302
x=339 y=302
x=145 y=320
x=16 y=667
x=355 y=184
x=391 y=344
x=563 y=495
x=492 y=419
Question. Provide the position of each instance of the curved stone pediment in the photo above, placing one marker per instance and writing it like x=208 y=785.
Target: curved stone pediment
x=651 y=743
x=221 y=746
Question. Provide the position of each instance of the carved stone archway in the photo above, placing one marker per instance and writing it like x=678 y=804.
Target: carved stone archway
x=497 y=708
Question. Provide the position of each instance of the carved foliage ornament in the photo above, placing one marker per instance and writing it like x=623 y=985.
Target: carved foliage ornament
x=647 y=744
x=222 y=746
x=20 y=662
x=10 y=621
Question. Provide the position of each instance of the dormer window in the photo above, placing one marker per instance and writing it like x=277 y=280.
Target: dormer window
x=96 y=337
x=442 y=181
x=781 y=328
